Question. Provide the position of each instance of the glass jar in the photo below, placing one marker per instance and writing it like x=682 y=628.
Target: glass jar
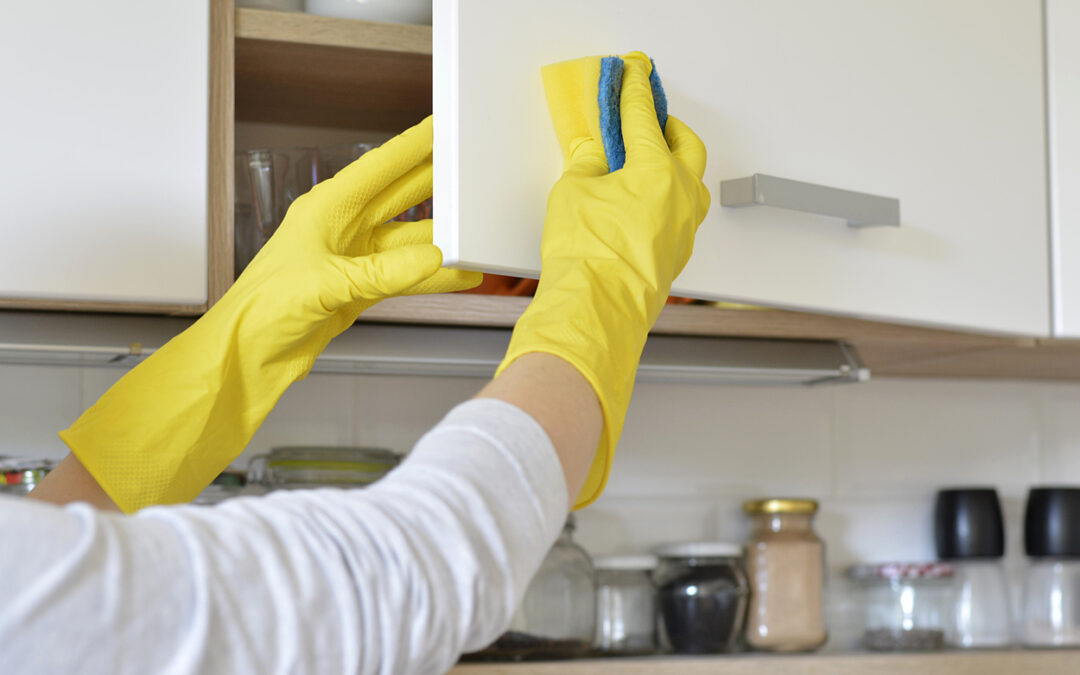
x=227 y=485
x=18 y=475
x=625 y=605
x=969 y=533
x=785 y=563
x=905 y=605
x=702 y=593
x=298 y=467
x=557 y=617
x=982 y=614
x=1051 y=615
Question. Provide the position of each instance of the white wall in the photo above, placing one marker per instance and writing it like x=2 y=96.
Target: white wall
x=873 y=454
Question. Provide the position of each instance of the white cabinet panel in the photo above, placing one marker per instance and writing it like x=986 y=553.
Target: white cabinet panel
x=938 y=104
x=1063 y=99
x=104 y=133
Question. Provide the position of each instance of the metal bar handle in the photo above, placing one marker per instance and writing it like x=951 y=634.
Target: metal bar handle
x=859 y=209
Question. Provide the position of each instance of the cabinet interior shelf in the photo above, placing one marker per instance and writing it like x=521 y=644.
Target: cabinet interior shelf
x=296 y=68
x=1060 y=662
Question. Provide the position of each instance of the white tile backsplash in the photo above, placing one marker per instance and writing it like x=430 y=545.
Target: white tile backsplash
x=901 y=439
x=873 y=454
x=614 y=525
x=708 y=441
x=395 y=411
x=317 y=410
x=1060 y=458
x=35 y=403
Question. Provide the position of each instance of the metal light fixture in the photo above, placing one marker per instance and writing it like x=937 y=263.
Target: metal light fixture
x=373 y=349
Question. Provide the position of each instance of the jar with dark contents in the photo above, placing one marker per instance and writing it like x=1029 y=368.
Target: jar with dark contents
x=702 y=597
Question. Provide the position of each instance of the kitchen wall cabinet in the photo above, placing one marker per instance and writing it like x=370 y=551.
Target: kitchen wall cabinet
x=937 y=104
x=1063 y=115
x=107 y=128
x=313 y=72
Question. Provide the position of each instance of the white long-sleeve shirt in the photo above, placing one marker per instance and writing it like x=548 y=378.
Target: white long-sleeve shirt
x=401 y=577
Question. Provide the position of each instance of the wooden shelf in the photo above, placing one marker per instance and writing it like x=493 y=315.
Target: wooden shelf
x=1063 y=662
x=887 y=349
x=295 y=68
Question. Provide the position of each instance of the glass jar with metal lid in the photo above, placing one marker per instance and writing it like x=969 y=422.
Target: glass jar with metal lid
x=785 y=562
x=702 y=597
x=625 y=605
x=297 y=467
x=906 y=606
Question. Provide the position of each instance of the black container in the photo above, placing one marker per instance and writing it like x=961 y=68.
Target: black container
x=1052 y=523
x=968 y=524
x=702 y=597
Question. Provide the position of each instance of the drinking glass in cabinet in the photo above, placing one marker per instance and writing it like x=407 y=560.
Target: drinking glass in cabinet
x=702 y=597
x=625 y=605
x=1051 y=615
x=906 y=606
x=557 y=616
x=785 y=564
x=269 y=181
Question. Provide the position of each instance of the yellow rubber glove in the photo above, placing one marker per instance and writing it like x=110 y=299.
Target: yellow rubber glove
x=612 y=244
x=172 y=424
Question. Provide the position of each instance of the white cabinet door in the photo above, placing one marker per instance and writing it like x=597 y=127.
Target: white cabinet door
x=937 y=104
x=1063 y=97
x=103 y=124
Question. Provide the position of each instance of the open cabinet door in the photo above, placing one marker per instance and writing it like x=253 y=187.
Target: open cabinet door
x=937 y=105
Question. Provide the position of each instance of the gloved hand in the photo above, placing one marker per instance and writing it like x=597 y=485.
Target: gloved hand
x=611 y=247
x=172 y=424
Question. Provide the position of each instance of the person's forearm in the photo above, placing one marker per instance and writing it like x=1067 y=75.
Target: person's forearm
x=71 y=482
x=559 y=397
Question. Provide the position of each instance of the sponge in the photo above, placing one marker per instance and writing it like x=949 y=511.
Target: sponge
x=583 y=98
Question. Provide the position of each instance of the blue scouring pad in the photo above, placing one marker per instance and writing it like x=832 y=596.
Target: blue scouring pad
x=611 y=74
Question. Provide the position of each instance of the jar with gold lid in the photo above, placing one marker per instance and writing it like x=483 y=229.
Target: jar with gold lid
x=785 y=563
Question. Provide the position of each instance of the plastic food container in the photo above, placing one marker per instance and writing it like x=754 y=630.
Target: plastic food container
x=625 y=605
x=297 y=467
x=906 y=606
x=702 y=596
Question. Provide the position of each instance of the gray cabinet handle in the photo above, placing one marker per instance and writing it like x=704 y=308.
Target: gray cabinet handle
x=857 y=208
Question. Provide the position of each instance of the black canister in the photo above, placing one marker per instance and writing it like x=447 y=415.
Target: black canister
x=1052 y=522
x=702 y=597
x=968 y=524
